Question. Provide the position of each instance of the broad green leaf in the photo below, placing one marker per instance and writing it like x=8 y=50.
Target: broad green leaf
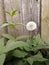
x=21 y=37
x=8 y=36
x=2 y=47
x=7 y=24
x=11 y=45
x=40 y=46
x=37 y=40
x=1 y=42
x=2 y=59
x=4 y=25
x=37 y=57
x=19 y=53
x=30 y=61
x=38 y=43
x=2 y=50
x=28 y=48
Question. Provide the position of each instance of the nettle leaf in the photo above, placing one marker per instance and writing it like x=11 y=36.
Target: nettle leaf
x=19 y=53
x=3 y=25
x=37 y=57
x=30 y=60
x=28 y=48
x=40 y=46
x=2 y=50
x=37 y=40
x=7 y=24
x=2 y=47
x=1 y=42
x=8 y=36
x=21 y=37
x=2 y=59
x=11 y=45
x=13 y=12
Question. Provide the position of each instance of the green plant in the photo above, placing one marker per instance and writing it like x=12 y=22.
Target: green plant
x=22 y=53
x=11 y=23
x=17 y=52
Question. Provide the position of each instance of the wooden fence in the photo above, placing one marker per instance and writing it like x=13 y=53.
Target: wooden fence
x=29 y=10
x=45 y=20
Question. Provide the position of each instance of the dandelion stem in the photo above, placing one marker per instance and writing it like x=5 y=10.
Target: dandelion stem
x=30 y=35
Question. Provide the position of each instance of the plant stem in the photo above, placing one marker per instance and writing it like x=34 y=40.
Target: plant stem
x=30 y=35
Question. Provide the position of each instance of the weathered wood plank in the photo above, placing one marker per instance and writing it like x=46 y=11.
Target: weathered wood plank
x=31 y=12
x=36 y=15
x=45 y=20
x=2 y=17
x=25 y=15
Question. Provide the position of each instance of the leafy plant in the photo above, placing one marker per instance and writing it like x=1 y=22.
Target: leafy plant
x=22 y=52
x=8 y=36
x=12 y=24
x=18 y=52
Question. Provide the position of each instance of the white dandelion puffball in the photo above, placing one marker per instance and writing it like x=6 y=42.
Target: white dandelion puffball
x=31 y=26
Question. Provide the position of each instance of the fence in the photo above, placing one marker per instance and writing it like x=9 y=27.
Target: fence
x=45 y=20
x=29 y=10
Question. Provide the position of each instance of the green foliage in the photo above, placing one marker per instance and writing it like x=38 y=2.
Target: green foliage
x=37 y=57
x=11 y=45
x=19 y=53
x=2 y=59
x=22 y=37
x=3 y=25
x=2 y=48
x=37 y=40
x=2 y=55
x=8 y=36
x=26 y=52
